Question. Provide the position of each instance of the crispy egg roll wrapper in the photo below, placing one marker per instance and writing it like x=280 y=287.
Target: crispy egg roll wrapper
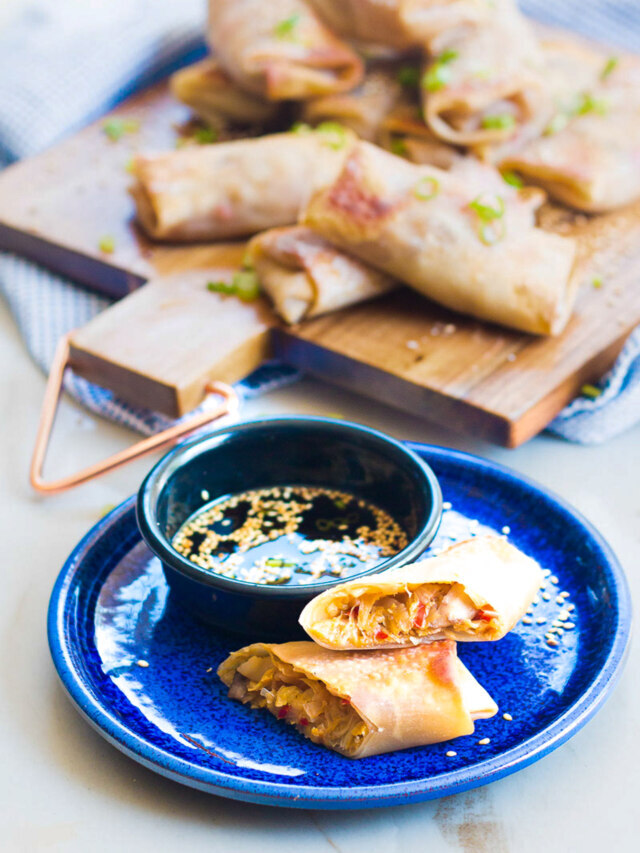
x=280 y=50
x=363 y=110
x=305 y=276
x=215 y=98
x=361 y=703
x=476 y=590
x=399 y=24
x=592 y=162
x=416 y=223
x=493 y=70
x=405 y=133
x=232 y=189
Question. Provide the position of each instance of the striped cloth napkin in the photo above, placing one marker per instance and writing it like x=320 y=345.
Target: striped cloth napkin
x=65 y=63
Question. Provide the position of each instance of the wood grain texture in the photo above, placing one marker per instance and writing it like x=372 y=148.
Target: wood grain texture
x=402 y=349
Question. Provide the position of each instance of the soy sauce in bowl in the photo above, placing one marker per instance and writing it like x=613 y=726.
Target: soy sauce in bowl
x=288 y=535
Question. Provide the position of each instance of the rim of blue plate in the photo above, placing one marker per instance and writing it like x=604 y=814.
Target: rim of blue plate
x=186 y=451
x=290 y=795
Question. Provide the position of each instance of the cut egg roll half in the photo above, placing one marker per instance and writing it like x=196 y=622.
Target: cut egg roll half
x=305 y=276
x=465 y=239
x=232 y=189
x=280 y=50
x=476 y=590
x=361 y=703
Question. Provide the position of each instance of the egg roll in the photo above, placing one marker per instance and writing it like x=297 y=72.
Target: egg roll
x=305 y=276
x=399 y=24
x=217 y=100
x=232 y=189
x=476 y=590
x=464 y=238
x=280 y=50
x=361 y=703
x=363 y=110
x=588 y=156
x=483 y=82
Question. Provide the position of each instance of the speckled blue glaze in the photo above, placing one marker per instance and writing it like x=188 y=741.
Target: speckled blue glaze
x=110 y=608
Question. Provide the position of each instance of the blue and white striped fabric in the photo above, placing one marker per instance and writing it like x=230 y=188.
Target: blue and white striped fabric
x=64 y=63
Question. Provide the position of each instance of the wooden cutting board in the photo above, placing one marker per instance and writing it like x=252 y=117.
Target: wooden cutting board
x=497 y=384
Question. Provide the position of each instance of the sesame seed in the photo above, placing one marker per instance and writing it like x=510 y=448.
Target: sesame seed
x=565 y=594
x=571 y=607
x=546 y=596
x=507 y=717
x=143 y=663
x=412 y=345
x=451 y=753
x=204 y=494
x=446 y=505
x=553 y=579
x=546 y=573
x=210 y=669
x=541 y=620
x=525 y=620
x=551 y=641
x=559 y=600
x=568 y=626
x=484 y=741
x=506 y=530
x=536 y=601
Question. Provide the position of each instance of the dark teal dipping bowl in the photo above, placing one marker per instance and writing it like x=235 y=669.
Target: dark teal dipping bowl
x=307 y=451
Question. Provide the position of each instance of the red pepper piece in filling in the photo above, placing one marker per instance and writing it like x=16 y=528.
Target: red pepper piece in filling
x=282 y=712
x=381 y=635
x=418 y=622
x=354 y=611
x=303 y=721
x=482 y=616
x=345 y=702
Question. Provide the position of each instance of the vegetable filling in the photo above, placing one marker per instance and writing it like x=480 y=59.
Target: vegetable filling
x=423 y=612
x=301 y=700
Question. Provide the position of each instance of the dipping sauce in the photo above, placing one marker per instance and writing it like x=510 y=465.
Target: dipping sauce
x=289 y=535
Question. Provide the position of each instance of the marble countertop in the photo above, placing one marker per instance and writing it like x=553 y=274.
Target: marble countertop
x=63 y=788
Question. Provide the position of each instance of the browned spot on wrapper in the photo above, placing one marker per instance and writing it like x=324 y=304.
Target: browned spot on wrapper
x=350 y=196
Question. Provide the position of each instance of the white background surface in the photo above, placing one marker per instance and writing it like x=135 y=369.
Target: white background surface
x=64 y=788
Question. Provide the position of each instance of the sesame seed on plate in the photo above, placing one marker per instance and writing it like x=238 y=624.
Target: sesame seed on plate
x=484 y=741
x=451 y=753
x=507 y=717
x=552 y=642
x=541 y=620
x=446 y=505
x=506 y=530
x=526 y=620
x=568 y=626
x=553 y=579
x=546 y=596
x=142 y=663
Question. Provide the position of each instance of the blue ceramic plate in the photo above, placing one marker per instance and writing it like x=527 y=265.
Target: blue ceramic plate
x=143 y=672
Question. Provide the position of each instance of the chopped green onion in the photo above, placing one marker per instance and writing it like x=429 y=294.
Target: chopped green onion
x=334 y=134
x=408 y=76
x=590 y=391
x=301 y=128
x=588 y=104
x=610 y=66
x=246 y=285
x=221 y=287
x=447 y=55
x=597 y=282
x=426 y=188
x=285 y=29
x=107 y=244
x=491 y=232
x=489 y=229
x=398 y=146
x=115 y=128
x=485 y=210
x=205 y=135
x=513 y=179
x=437 y=77
x=557 y=123
x=503 y=121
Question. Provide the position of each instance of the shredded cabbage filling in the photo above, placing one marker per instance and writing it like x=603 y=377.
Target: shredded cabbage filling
x=301 y=700
x=423 y=612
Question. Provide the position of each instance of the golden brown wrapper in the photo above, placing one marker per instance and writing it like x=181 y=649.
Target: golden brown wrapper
x=425 y=226
x=588 y=156
x=280 y=50
x=486 y=573
x=217 y=99
x=398 y=24
x=483 y=82
x=232 y=189
x=305 y=276
x=406 y=697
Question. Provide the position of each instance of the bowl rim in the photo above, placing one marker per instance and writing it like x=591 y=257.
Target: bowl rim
x=158 y=476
